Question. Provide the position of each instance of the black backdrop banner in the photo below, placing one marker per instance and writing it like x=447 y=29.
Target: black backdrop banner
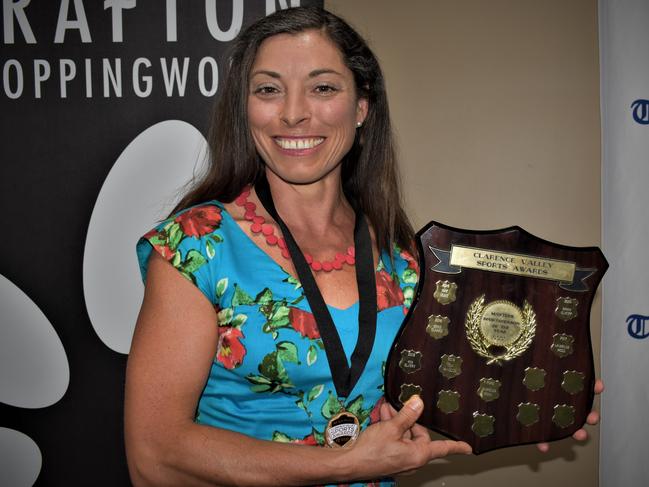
x=81 y=81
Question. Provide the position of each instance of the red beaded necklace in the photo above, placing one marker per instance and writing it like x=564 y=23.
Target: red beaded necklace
x=258 y=225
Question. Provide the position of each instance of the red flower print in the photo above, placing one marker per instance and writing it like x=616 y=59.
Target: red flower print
x=388 y=292
x=412 y=261
x=375 y=413
x=303 y=323
x=307 y=440
x=155 y=237
x=200 y=220
x=230 y=350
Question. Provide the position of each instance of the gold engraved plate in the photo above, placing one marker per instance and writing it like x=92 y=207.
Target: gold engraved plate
x=408 y=390
x=564 y=415
x=451 y=366
x=528 y=413
x=489 y=389
x=516 y=264
x=448 y=401
x=566 y=308
x=483 y=424
x=562 y=344
x=445 y=292
x=410 y=361
x=534 y=378
x=573 y=382
x=499 y=331
x=437 y=326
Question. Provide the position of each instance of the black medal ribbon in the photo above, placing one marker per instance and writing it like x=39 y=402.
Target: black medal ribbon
x=344 y=376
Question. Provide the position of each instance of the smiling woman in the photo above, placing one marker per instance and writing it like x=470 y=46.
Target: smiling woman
x=276 y=287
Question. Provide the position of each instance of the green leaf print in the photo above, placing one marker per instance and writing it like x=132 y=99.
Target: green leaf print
x=319 y=437
x=311 y=355
x=209 y=249
x=281 y=437
x=193 y=261
x=356 y=408
x=287 y=352
x=176 y=260
x=409 y=276
x=331 y=406
x=175 y=235
x=295 y=282
x=277 y=317
x=216 y=238
x=224 y=316
x=239 y=320
x=315 y=392
x=241 y=298
x=221 y=286
x=264 y=297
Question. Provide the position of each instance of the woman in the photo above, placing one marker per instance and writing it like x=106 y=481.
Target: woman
x=295 y=243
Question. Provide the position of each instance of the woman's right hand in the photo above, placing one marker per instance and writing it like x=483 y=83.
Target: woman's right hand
x=397 y=444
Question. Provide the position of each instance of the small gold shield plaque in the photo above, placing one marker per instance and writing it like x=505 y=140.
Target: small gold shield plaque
x=448 y=401
x=489 y=389
x=528 y=413
x=451 y=366
x=534 y=378
x=445 y=292
x=483 y=424
x=562 y=344
x=564 y=415
x=573 y=382
x=437 y=326
x=566 y=308
x=408 y=390
x=410 y=361
x=499 y=331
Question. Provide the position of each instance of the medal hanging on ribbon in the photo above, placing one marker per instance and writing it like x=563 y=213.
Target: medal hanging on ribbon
x=342 y=429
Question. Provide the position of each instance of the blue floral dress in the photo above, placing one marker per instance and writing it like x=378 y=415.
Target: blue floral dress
x=270 y=378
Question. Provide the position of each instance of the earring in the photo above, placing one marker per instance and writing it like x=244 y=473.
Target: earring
x=359 y=125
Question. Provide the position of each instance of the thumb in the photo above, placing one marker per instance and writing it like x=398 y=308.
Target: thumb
x=409 y=413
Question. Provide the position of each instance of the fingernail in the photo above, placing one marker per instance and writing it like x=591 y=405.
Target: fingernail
x=415 y=403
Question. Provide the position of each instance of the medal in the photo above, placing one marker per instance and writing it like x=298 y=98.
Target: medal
x=342 y=429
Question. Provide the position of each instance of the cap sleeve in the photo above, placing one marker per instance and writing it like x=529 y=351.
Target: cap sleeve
x=189 y=241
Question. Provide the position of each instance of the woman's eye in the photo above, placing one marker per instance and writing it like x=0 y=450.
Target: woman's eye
x=325 y=89
x=266 y=90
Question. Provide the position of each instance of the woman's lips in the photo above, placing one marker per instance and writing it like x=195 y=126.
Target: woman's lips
x=298 y=143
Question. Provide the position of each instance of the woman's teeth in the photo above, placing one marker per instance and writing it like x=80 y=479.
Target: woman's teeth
x=294 y=144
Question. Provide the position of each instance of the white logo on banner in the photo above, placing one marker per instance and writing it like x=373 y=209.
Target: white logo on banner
x=20 y=458
x=138 y=192
x=34 y=373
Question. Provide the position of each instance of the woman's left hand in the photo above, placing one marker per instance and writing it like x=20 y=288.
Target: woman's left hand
x=592 y=419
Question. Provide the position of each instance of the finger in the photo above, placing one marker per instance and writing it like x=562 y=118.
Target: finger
x=599 y=386
x=543 y=447
x=592 y=418
x=580 y=435
x=443 y=448
x=409 y=413
x=384 y=412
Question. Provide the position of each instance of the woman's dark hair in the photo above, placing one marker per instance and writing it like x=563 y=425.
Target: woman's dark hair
x=369 y=171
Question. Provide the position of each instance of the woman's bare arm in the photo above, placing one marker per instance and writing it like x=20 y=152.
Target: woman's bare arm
x=171 y=354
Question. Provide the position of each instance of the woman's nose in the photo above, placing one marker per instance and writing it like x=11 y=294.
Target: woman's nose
x=295 y=109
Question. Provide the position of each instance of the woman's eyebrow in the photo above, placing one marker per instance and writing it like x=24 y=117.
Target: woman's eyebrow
x=312 y=74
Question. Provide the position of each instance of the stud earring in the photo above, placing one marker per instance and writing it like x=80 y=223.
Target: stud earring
x=359 y=125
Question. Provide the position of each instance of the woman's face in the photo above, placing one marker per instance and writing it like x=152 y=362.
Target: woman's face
x=302 y=106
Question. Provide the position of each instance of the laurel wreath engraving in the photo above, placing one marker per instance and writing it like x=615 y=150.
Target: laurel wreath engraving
x=477 y=339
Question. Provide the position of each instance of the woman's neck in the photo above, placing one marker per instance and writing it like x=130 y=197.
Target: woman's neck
x=313 y=208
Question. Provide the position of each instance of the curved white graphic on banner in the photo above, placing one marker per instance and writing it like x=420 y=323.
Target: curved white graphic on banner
x=34 y=370
x=139 y=190
x=20 y=458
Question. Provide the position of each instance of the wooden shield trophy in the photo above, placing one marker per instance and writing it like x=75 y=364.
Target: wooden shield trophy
x=497 y=341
